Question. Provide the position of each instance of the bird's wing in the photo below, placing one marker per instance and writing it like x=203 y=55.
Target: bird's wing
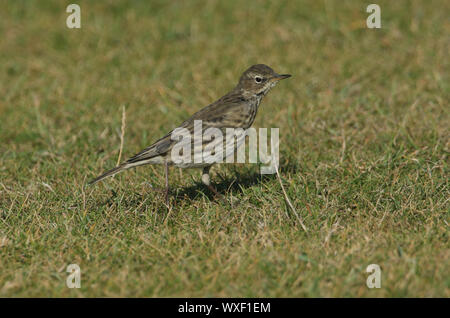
x=223 y=113
x=161 y=146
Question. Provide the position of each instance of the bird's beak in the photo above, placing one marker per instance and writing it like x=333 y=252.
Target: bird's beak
x=279 y=77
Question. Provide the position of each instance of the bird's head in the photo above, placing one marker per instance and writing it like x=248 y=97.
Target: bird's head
x=259 y=79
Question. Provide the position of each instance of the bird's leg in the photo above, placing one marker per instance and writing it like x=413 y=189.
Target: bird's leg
x=206 y=181
x=166 y=191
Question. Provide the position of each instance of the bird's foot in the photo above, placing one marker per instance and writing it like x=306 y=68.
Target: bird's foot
x=164 y=191
x=156 y=189
x=166 y=196
x=233 y=201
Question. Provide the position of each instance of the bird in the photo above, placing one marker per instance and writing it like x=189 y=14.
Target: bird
x=236 y=109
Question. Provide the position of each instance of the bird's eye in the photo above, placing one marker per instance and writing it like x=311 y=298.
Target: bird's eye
x=258 y=79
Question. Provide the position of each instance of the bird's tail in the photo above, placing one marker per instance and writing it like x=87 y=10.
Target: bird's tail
x=111 y=172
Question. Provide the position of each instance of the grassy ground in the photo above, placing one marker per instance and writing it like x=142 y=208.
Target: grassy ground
x=364 y=143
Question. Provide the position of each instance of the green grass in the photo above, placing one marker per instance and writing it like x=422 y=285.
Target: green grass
x=364 y=144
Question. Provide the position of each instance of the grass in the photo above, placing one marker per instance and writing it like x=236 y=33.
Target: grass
x=364 y=144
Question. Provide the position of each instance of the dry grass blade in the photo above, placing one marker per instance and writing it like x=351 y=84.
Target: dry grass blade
x=289 y=201
x=122 y=134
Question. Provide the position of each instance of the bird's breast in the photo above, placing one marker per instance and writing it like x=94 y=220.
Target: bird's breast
x=251 y=110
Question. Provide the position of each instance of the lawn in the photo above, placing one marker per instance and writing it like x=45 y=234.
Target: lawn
x=364 y=144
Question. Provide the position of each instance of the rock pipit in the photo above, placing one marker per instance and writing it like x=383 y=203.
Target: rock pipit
x=237 y=109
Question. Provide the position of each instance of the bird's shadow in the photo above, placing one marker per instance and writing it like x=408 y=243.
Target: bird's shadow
x=234 y=183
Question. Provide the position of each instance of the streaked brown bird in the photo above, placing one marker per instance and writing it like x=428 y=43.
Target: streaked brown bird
x=237 y=109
